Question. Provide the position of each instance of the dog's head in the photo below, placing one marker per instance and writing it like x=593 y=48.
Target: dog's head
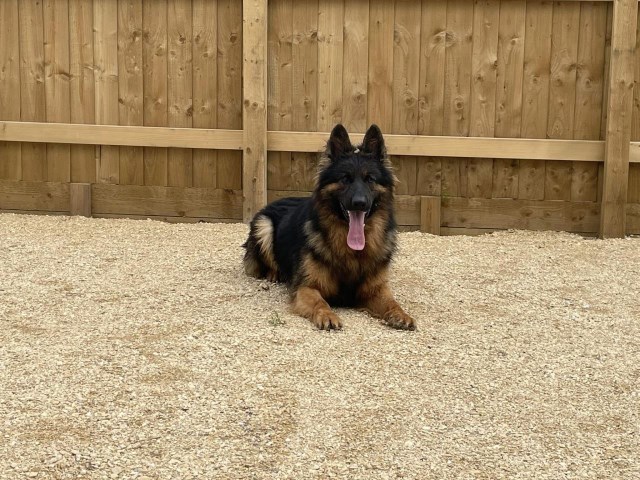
x=355 y=180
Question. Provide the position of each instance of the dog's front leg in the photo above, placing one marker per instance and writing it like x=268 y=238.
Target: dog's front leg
x=380 y=303
x=308 y=302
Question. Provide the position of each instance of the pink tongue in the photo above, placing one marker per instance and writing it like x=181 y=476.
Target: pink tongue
x=355 y=238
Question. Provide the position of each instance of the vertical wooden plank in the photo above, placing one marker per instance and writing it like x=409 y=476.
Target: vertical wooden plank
x=379 y=102
x=154 y=53
x=607 y=64
x=457 y=91
x=305 y=66
x=180 y=88
x=279 y=94
x=82 y=86
x=105 y=28
x=230 y=87
x=205 y=87
x=619 y=106
x=305 y=88
x=562 y=95
x=33 y=97
x=254 y=75
x=80 y=199
x=483 y=92
x=511 y=39
x=633 y=194
x=10 y=152
x=406 y=66
x=356 y=65
x=406 y=80
x=589 y=88
x=131 y=84
x=605 y=93
x=57 y=75
x=430 y=215
x=330 y=62
x=433 y=41
x=535 y=95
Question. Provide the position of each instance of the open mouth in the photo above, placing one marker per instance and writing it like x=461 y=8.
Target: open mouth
x=356 y=218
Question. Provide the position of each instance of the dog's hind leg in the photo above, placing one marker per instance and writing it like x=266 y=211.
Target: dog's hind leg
x=308 y=303
x=259 y=260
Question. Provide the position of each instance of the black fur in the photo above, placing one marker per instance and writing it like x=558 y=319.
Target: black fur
x=349 y=178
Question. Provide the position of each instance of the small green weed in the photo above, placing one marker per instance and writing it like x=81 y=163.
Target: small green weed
x=275 y=320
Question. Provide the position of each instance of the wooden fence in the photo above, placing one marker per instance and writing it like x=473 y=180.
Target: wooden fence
x=498 y=114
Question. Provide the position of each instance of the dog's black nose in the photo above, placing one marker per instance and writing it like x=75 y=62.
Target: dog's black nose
x=359 y=202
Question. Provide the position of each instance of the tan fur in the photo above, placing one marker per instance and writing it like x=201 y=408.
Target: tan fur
x=264 y=238
x=308 y=303
x=319 y=277
x=377 y=299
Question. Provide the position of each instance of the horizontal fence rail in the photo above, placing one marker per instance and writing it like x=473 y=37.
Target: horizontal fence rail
x=310 y=142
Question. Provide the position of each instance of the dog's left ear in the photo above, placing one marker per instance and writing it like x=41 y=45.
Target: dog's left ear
x=373 y=142
x=339 y=143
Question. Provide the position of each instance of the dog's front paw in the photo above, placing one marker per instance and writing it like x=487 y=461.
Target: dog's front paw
x=400 y=320
x=327 y=320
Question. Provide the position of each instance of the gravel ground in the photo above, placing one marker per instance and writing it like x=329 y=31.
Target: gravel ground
x=138 y=349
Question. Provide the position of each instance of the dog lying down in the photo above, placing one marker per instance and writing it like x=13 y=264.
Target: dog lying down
x=334 y=248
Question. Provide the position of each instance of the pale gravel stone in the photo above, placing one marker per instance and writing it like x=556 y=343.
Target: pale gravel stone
x=138 y=349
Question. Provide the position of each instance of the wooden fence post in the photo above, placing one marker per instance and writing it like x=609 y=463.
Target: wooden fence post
x=618 y=129
x=80 y=199
x=430 y=215
x=254 y=106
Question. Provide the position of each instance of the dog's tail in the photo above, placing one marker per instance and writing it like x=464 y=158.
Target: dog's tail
x=259 y=259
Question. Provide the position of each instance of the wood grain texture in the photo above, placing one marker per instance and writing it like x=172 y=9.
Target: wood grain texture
x=131 y=86
x=205 y=87
x=483 y=92
x=505 y=213
x=433 y=43
x=169 y=201
x=430 y=215
x=381 y=31
x=562 y=95
x=105 y=52
x=457 y=91
x=154 y=54
x=180 y=88
x=32 y=91
x=254 y=75
x=589 y=88
x=356 y=66
x=406 y=79
x=330 y=62
x=304 y=88
x=82 y=86
x=509 y=83
x=57 y=89
x=10 y=153
x=80 y=199
x=38 y=196
x=535 y=95
x=633 y=194
x=229 y=174
x=619 y=106
x=280 y=86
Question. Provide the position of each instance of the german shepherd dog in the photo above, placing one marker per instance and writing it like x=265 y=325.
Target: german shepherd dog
x=334 y=248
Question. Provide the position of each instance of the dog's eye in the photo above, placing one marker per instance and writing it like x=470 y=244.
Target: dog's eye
x=346 y=179
x=370 y=179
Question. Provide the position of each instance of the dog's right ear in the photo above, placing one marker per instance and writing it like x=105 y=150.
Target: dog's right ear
x=339 y=143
